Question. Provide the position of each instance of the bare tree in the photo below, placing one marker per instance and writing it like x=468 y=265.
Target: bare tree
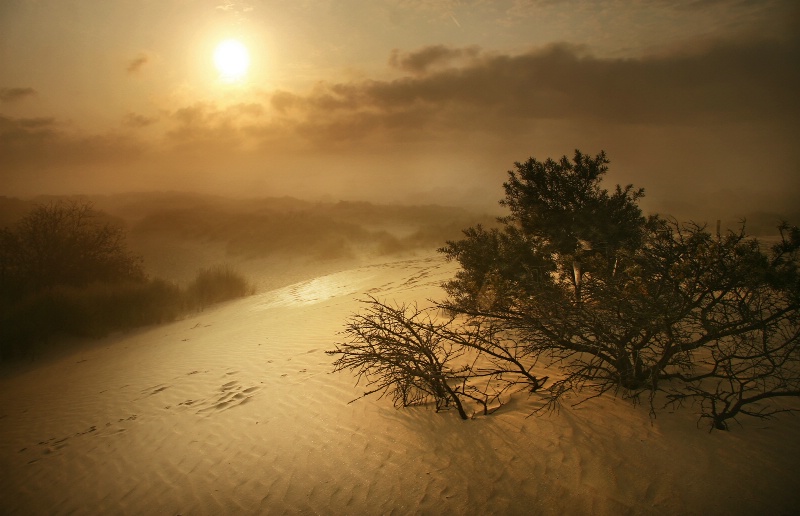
x=415 y=355
x=756 y=357
x=53 y=252
x=399 y=350
x=66 y=243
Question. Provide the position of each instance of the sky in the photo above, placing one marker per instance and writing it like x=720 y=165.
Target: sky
x=411 y=101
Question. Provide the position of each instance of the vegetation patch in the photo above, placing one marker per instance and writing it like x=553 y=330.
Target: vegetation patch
x=576 y=279
x=216 y=284
x=65 y=272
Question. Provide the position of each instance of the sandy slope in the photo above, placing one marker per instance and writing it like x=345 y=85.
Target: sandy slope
x=235 y=410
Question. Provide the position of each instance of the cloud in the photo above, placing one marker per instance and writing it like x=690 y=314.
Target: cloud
x=136 y=120
x=685 y=123
x=206 y=126
x=239 y=6
x=136 y=64
x=733 y=82
x=442 y=7
x=239 y=9
x=33 y=142
x=24 y=132
x=16 y=94
x=421 y=61
x=698 y=5
x=705 y=4
x=453 y=92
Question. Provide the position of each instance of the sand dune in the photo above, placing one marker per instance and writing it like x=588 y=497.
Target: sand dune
x=235 y=411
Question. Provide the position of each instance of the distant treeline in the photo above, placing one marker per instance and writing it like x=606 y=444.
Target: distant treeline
x=267 y=227
x=257 y=228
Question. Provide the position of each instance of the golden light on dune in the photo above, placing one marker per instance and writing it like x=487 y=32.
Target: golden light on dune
x=232 y=60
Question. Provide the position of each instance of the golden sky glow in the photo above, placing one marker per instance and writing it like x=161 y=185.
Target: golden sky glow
x=402 y=100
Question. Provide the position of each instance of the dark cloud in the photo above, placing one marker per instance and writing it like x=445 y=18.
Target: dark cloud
x=687 y=123
x=33 y=142
x=670 y=4
x=45 y=156
x=24 y=132
x=722 y=83
x=207 y=126
x=15 y=94
x=136 y=64
x=705 y=4
x=421 y=61
x=136 y=120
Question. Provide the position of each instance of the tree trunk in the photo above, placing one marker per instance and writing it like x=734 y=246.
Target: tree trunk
x=632 y=373
x=578 y=274
x=456 y=401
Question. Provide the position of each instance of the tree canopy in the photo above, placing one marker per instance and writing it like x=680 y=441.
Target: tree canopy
x=64 y=243
x=578 y=278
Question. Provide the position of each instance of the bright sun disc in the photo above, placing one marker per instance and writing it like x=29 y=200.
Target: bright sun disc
x=231 y=59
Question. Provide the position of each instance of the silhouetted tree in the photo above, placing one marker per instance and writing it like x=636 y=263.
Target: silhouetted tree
x=400 y=351
x=617 y=301
x=64 y=269
x=415 y=355
x=578 y=278
x=65 y=243
x=748 y=331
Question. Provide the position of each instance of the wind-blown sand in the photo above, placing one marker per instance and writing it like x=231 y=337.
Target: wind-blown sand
x=235 y=411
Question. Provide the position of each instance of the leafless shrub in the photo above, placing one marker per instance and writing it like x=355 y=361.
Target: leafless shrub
x=416 y=355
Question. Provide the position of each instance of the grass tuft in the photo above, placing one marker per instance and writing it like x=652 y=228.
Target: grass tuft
x=216 y=284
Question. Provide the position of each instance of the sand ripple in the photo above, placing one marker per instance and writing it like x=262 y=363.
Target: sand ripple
x=236 y=411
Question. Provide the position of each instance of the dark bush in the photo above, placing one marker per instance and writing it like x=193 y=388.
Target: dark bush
x=64 y=243
x=65 y=272
x=216 y=284
x=38 y=320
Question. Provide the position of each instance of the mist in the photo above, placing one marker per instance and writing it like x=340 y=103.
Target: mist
x=186 y=247
x=709 y=131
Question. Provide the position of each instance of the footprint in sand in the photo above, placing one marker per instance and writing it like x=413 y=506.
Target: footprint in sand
x=231 y=395
x=150 y=391
x=112 y=430
x=54 y=444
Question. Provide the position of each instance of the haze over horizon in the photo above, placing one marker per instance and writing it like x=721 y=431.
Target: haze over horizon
x=403 y=100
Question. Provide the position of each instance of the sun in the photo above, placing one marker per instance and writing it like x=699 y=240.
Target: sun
x=232 y=60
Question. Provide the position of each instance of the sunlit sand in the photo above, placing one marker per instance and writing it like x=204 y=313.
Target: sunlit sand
x=235 y=410
x=313 y=155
